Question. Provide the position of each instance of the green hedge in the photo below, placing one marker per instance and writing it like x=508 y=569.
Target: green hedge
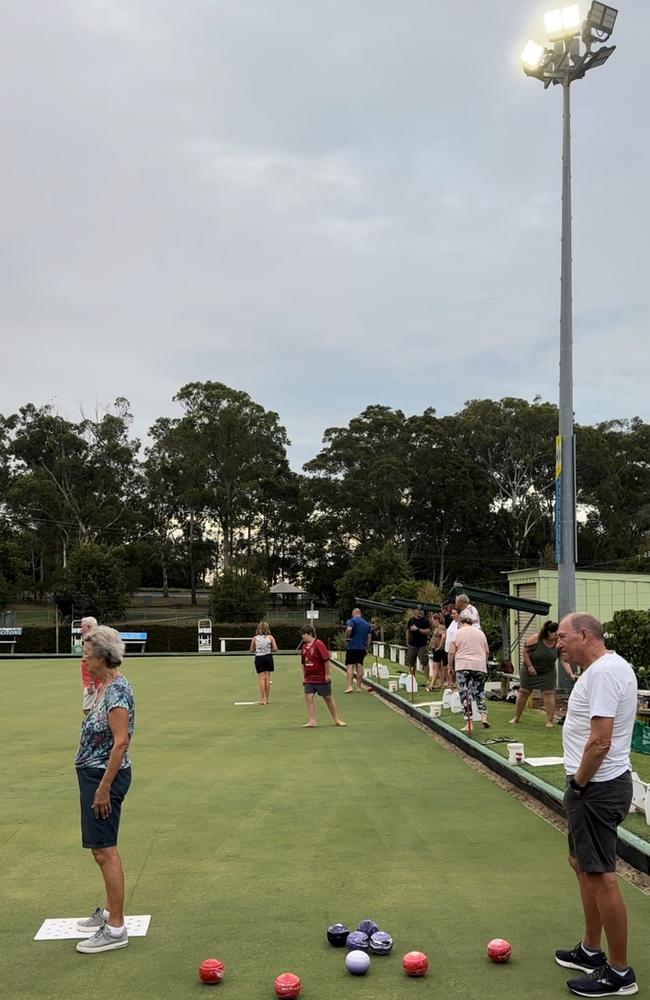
x=629 y=634
x=168 y=638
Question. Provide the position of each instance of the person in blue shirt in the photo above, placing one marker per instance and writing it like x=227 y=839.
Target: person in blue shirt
x=357 y=639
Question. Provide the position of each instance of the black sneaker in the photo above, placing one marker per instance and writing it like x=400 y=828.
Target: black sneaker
x=605 y=983
x=578 y=959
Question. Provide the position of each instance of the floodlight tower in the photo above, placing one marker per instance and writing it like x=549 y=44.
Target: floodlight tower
x=567 y=56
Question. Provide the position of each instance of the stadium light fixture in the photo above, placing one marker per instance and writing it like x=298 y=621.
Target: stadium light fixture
x=571 y=51
x=533 y=55
x=562 y=23
x=599 y=22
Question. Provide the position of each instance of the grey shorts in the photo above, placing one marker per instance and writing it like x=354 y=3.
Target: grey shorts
x=415 y=653
x=324 y=690
x=593 y=818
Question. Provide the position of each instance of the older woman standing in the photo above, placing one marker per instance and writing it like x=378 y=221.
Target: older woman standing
x=468 y=654
x=104 y=775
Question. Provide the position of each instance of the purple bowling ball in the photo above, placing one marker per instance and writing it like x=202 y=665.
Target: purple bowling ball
x=368 y=927
x=357 y=941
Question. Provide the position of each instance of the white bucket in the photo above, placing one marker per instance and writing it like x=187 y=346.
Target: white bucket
x=515 y=753
x=392 y=685
x=435 y=709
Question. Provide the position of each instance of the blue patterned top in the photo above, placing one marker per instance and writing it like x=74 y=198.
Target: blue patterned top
x=96 y=740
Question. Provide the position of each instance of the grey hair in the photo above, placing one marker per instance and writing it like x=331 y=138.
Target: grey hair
x=105 y=643
x=89 y=621
x=581 y=620
x=466 y=616
x=464 y=598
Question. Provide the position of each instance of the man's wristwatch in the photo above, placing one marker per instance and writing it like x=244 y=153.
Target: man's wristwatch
x=576 y=787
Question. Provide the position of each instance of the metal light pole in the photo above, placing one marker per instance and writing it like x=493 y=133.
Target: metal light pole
x=566 y=569
x=561 y=61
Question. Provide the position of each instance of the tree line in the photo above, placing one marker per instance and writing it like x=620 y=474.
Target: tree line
x=388 y=498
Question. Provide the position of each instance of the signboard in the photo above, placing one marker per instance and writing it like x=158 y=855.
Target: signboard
x=313 y=615
x=205 y=635
x=11 y=631
x=558 y=498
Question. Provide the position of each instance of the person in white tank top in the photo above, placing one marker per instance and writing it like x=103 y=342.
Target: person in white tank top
x=263 y=645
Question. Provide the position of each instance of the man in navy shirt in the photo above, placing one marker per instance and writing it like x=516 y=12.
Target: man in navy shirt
x=357 y=637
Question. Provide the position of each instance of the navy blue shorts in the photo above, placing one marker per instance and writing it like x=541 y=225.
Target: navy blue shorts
x=98 y=832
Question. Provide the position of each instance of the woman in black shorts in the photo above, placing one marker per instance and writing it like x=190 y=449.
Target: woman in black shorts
x=264 y=645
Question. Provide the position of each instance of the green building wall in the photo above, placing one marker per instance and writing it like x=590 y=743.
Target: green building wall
x=599 y=594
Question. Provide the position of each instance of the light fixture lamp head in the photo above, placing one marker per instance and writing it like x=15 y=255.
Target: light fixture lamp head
x=533 y=58
x=562 y=23
x=599 y=23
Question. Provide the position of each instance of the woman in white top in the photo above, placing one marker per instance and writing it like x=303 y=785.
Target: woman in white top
x=468 y=654
x=263 y=645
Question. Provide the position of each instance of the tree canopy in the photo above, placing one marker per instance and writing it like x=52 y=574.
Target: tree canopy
x=387 y=498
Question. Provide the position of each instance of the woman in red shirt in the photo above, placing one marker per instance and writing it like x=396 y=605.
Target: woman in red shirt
x=315 y=659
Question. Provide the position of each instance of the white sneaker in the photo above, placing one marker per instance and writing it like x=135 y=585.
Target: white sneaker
x=103 y=940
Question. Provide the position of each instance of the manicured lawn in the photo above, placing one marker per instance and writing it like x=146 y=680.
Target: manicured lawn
x=245 y=836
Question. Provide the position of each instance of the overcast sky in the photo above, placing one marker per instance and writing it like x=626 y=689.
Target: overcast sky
x=326 y=203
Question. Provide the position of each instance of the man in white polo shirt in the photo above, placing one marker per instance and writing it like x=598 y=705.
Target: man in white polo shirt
x=596 y=735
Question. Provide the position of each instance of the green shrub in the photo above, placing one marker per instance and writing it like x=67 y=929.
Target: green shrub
x=629 y=634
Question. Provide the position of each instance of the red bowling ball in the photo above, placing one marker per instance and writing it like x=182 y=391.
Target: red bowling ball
x=211 y=971
x=499 y=950
x=287 y=985
x=415 y=963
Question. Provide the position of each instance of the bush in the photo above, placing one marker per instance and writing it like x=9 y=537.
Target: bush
x=629 y=634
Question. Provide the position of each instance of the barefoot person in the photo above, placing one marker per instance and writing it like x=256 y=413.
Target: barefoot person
x=104 y=775
x=596 y=736
x=316 y=679
x=264 y=646
x=357 y=638
x=537 y=673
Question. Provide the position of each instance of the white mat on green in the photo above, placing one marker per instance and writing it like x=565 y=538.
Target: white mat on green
x=65 y=928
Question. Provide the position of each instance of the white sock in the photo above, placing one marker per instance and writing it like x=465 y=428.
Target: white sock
x=588 y=951
x=620 y=972
x=116 y=931
x=105 y=914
